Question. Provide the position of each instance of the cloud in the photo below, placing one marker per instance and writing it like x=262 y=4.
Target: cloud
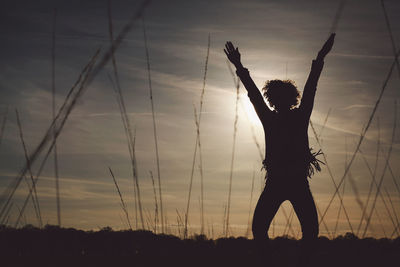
x=363 y=56
x=357 y=106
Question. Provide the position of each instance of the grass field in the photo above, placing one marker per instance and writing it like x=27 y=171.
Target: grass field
x=54 y=246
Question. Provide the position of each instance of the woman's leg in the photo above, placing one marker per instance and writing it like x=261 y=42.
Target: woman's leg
x=266 y=208
x=304 y=206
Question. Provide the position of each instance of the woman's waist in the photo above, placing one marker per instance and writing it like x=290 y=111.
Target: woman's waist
x=286 y=162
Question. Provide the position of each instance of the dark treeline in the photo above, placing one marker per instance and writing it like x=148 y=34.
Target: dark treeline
x=54 y=246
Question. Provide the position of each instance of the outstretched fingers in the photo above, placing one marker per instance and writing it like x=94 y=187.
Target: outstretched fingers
x=229 y=47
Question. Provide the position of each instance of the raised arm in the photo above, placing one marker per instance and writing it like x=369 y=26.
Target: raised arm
x=252 y=91
x=307 y=101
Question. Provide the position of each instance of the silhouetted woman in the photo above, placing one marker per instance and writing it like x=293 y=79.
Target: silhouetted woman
x=288 y=158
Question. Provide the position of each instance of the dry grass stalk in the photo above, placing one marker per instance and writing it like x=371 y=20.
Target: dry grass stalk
x=20 y=214
x=389 y=28
x=287 y=220
x=201 y=171
x=392 y=206
x=373 y=175
x=324 y=124
x=149 y=221
x=380 y=223
x=251 y=200
x=65 y=109
x=343 y=190
x=154 y=124
x=323 y=222
x=62 y=116
x=332 y=179
x=392 y=219
x=118 y=40
x=155 y=203
x=395 y=231
x=233 y=156
x=373 y=182
x=53 y=93
x=136 y=176
x=196 y=146
x=286 y=231
x=128 y=133
x=123 y=205
x=35 y=199
x=6 y=218
x=224 y=219
x=363 y=133
x=355 y=191
x=126 y=123
x=392 y=174
x=3 y=124
x=383 y=172
x=180 y=223
x=198 y=135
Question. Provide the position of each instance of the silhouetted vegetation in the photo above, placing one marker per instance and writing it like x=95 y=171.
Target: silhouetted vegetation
x=55 y=246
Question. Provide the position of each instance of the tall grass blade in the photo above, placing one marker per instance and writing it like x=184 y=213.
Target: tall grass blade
x=53 y=102
x=389 y=28
x=66 y=109
x=5 y=220
x=323 y=222
x=380 y=223
x=392 y=206
x=286 y=233
x=344 y=187
x=3 y=125
x=233 y=157
x=197 y=144
x=363 y=133
x=128 y=134
x=373 y=182
x=126 y=122
x=179 y=222
x=287 y=220
x=373 y=175
x=121 y=199
x=383 y=172
x=324 y=124
x=332 y=179
x=62 y=115
x=392 y=175
x=251 y=200
x=154 y=124
x=201 y=172
x=155 y=203
x=35 y=199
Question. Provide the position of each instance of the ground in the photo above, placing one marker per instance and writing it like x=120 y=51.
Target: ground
x=54 y=246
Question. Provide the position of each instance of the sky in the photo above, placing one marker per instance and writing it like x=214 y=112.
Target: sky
x=277 y=40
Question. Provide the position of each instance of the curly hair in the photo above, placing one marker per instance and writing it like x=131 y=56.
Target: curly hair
x=281 y=94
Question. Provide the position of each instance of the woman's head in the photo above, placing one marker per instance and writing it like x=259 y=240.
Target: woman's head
x=281 y=95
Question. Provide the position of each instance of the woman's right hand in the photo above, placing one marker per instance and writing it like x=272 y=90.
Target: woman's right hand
x=233 y=54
